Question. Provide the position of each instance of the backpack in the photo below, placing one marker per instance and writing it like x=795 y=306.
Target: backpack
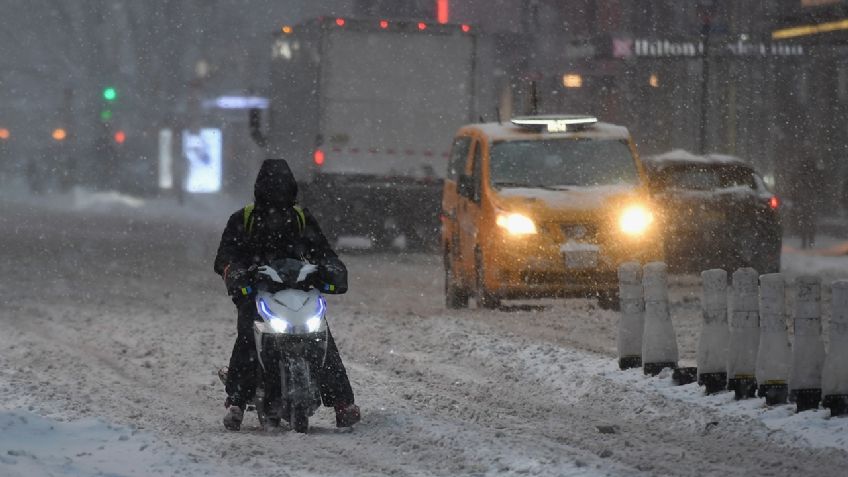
x=248 y=218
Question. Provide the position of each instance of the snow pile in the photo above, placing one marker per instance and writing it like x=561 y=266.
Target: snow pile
x=31 y=445
x=684 y=156
x=813 y=429
x=805 y=429
x=100 y=201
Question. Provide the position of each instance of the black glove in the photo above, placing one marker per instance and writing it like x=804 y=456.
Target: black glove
x=240 y=281
x=332 y=275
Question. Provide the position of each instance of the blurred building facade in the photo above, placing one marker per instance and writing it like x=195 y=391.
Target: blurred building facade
x=703 y=75
x=706 y=75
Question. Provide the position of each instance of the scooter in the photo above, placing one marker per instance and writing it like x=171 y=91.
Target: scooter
x=291 y=344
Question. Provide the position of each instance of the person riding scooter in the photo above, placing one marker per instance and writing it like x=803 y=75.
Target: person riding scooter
x=275 y=228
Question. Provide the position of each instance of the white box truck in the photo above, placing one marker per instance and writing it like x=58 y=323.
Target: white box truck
x=364 y=110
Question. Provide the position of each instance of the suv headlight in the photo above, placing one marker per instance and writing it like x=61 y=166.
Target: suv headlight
x=515 y=224
x=635 y=220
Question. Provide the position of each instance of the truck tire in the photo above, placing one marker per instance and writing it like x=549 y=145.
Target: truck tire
x=609 y=300
x=455 y=296
x=485 y=299
x=299 y=419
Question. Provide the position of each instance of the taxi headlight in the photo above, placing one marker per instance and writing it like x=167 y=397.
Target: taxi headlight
x=516 y=224
x=635 y=220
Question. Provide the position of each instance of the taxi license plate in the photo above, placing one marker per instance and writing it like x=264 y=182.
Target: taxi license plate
x=580 y=256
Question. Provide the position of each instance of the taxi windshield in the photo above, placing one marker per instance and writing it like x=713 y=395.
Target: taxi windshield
x=561 y=163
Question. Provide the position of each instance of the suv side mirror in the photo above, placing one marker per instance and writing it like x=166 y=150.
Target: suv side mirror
x=466 y=186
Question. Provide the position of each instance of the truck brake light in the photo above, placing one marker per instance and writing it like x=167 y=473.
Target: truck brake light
x=318 y=157
x=774 y=202
x=422 y=26
x=465 y=28
x=384 y=24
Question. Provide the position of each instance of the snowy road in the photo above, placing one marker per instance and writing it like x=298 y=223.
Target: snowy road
x=119 y=316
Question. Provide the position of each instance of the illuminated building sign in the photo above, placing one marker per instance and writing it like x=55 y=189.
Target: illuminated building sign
x=202 y=152
x=626 y=48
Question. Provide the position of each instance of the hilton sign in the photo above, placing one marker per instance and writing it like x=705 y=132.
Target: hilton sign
x=641 y=48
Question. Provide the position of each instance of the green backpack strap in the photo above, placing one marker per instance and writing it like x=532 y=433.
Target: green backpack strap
x=301 y=218
x=248 y=218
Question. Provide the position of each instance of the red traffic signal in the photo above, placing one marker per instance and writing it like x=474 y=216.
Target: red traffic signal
x=120 y=137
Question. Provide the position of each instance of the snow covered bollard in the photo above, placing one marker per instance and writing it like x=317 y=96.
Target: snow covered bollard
x=774 y=358
x=632 y=321
x=808 y=349
x=744 y=334
x=712 y=344
x=659 y=342
x=835 y=372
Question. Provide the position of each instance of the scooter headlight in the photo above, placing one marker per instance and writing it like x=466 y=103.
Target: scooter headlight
x=276 y=323
x=314 y=324
x=279 y=325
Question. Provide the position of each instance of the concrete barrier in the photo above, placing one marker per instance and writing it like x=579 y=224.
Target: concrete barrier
x=714 y=337
x=632 y=318
x=744 y=334
x=659 y=342
x=835 y=370
x=808 y=348
x=774 y=357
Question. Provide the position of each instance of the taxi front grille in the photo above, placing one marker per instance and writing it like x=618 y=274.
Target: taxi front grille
x=579 y=232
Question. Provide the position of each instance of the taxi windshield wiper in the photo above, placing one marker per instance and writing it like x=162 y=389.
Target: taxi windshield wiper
x=513 y=184
x=531 y=186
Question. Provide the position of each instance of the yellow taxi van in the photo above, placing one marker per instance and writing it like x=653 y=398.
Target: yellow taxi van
x=544 y=206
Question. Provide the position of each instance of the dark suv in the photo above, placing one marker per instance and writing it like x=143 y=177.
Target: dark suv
x=717 y=212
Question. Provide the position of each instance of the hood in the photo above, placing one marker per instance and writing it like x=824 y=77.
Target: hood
x=275 y=184
x=569 y=204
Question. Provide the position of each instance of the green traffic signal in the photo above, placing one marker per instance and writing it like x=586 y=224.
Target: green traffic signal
x=105 y=115
x=109 y=93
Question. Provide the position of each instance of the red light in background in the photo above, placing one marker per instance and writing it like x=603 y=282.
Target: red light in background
x=422 y=26
x=774 y=202
x=442 y=10
x=120 y=137
x=384 y=24
x=59 y=134
x=318 y=157
x=340 y=21
x=466 y=28
x=4 y=133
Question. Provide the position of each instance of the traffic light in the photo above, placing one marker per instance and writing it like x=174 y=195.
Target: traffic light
x=59 y=134
x=4 y=134
x=120 y=136
x=110 y=93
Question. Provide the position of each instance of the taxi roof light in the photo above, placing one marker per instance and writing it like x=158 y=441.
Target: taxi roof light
x=554 y=123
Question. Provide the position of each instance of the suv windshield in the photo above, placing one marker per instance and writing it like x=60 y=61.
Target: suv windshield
x=703 y=177
x=556 y=163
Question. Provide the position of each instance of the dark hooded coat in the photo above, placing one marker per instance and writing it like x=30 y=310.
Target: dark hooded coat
x=273 y=230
